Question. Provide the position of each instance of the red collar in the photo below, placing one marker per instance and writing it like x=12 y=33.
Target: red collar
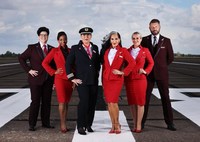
x=117 y=47
x=133 y=47
x=86 y=46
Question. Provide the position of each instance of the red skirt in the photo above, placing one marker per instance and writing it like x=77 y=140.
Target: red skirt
x=112 y=90
x=63 y=90
x=136 y=92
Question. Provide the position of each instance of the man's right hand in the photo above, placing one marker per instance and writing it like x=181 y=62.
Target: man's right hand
x=77 y=81
x=33 y=73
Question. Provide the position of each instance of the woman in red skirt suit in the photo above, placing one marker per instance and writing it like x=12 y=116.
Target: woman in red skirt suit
x=62 y=85
x=136 y=82
x=113 y=56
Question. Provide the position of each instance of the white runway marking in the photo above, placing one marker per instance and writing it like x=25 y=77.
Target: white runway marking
x=101 y=126
x=13 y=105
x=9 y=64
x=188 y=106
x=184 y=63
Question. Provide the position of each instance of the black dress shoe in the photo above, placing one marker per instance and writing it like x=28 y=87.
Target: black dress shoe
x=31 y=128
x=81 y=131
x=171 y=127
x=89 y=129
x=48 y=126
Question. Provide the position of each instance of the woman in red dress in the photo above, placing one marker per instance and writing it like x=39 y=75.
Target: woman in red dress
x=136 y=82
x=113 y=56
x=63 y=86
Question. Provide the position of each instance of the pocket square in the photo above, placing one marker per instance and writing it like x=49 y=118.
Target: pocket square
x=94 y=51
x=162 y=47
x=121 y=56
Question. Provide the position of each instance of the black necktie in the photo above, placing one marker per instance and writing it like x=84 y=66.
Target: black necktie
x=154 y=41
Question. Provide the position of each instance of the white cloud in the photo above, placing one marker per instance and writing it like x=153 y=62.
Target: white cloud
x=195 y=16
x=4 y=27
x=21 y=19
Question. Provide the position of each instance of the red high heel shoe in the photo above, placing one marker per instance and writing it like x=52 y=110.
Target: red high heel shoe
x=111 y=131
x=118 y=131
x=64 y=130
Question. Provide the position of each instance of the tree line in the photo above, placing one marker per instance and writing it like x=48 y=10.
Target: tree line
x=9 y=54
x=12 y=54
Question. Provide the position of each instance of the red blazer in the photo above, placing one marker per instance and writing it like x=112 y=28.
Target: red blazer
x=143 y=60
x=59 y=59
x=120 y=58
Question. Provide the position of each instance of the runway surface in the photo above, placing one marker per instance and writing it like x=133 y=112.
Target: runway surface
x=184 y=94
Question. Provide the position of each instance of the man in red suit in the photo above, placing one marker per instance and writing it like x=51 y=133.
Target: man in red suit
x=162 y=53
x=39 y=80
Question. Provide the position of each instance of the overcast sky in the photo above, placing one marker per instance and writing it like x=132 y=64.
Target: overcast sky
x=20 y=19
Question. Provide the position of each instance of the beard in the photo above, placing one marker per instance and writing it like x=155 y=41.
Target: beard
x=155 y=32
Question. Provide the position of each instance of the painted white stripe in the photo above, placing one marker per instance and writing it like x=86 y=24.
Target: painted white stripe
x=13 y=105
x=184 y=63
x=187 y=106
x=9 y=64
x=8 y=90
x=102 y=126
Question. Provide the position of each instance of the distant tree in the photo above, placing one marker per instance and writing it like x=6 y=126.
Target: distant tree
x=9 y=54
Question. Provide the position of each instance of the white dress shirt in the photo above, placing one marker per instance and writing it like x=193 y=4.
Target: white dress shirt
x=134 y=52
x=111 y=55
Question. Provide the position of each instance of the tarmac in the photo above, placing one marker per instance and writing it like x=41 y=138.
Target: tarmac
x=181 y=76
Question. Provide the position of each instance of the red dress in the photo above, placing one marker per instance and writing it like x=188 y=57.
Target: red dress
x=63 y=85
x=135 y=83
x=112 y=84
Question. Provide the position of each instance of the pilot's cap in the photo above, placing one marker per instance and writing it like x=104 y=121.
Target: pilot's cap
x=86 y=30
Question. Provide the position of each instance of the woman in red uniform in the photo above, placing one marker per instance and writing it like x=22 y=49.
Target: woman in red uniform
x=62 y=84
x=136 y=82
x=113 y=57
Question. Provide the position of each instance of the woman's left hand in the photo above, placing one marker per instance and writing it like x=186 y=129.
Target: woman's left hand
x=117 y=72
x=142 y=71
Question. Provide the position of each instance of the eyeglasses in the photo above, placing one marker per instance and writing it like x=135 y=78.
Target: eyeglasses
x=45 y=35
x=135 y=38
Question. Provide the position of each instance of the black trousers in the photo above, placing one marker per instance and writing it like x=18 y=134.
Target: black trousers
x=40 y=97
x=166 y=104
x=87 y=102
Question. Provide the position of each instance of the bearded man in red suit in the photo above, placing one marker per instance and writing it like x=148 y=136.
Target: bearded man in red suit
x=162 y=53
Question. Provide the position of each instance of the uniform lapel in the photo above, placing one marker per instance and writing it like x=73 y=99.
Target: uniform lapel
x=160 y=43
x=106 y=57
x=39 y=51
x=116 y=57
x=61 y=54
x=94 y=52
x=150 y=44
x=82 y=49
x=139 y=54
